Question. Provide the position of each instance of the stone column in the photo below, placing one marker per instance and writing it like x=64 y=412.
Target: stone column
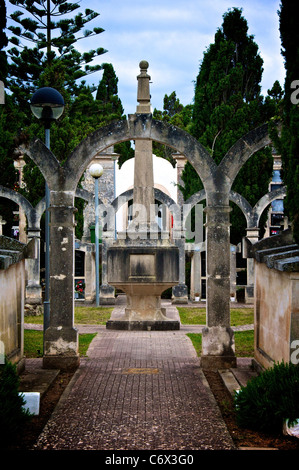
x=107 y=292
x=217 y=337
x=61 y=338
x=252 y=234
x=19 y=166
x=89 y=273
x=180 y=292
x=143 y=192
x=33 y=291
x=233 y=273
x=195 y=281
x=2 y=222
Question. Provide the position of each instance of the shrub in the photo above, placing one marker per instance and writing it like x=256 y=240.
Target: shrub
x=12 y=414
x=270 y=398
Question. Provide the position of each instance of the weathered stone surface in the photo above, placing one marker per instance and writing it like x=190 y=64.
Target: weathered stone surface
x=217 y=182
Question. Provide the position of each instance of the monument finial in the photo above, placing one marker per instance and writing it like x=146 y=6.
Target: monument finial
x=143 y=92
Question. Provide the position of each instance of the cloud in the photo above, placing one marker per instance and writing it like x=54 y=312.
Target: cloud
x=172 y=36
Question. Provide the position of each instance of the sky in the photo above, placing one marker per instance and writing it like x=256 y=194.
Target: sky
x=172 y=36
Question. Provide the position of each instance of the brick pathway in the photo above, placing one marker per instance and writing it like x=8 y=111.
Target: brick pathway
x=137 y=391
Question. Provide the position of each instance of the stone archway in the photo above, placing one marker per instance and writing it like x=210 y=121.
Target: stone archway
x=61 y=338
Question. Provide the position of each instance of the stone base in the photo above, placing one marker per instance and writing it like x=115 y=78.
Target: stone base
x=249 y=294
x=218 y=362
x=33 y=295
x=107 y=295
x=180 y=294
x=61 y=348
x=166 y=318
x=218 y=348
x=63 y=363
x=142 y=325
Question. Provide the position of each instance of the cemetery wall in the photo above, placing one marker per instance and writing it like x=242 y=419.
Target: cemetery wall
x=276 y=304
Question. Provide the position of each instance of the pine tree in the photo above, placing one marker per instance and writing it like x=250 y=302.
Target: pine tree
x=52 y=33
x=3 y=42
x=289 y=143
x=227 y=105
x=8 y=120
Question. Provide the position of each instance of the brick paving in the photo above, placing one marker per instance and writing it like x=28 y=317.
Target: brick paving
x=137 y=390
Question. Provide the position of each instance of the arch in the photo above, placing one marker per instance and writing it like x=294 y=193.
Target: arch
x=19 y=199
x=243 y=204
x=261 y=205
x=138 y=126
x=242 y=150
x=162 y=197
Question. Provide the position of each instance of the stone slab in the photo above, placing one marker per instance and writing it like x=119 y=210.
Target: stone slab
x=229 y=381
x=142 y=325
x=37 y=380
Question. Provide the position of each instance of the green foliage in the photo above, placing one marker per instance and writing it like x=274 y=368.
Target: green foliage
x=227 y=105
x=289 y=142
x=173 y=113
x=3 y=42
x=53 y=31
x=269 y=399
x=12 y=414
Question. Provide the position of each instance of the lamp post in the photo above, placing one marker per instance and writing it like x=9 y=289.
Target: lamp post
x=47 y=104
x=96 y=171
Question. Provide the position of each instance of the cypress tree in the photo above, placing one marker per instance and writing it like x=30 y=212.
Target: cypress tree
x=289 y=143
x=227 y=105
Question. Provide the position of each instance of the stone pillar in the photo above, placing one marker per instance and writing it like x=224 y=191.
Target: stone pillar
x=2 y=222
x=180 y=164
x=195 y=277
x=61 y=338
x=252 y=235
x=180 y=292
x=143 y=191
x=107 y=292
x=233 y=273
x=19 y=166
x=218 y=350
x=33 y=291
x=89 y=270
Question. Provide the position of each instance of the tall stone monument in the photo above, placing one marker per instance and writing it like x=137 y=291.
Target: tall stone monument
x=143 y=262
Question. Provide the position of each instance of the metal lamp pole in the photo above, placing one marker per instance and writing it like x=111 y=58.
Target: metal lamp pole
x=96 y=171
x=47 y=104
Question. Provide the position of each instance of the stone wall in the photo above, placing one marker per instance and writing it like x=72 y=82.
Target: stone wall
x=12 y=295
x=276 y=302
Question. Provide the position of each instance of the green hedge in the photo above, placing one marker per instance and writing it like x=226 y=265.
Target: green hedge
x=12 y=414
x=269 y=399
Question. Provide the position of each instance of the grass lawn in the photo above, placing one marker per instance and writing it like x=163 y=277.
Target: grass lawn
x=244 y=343
x=197 y=316
x=33 y=343
x=83 y=316
x=188 y=316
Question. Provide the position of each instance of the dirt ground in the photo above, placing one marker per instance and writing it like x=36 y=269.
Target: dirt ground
x=241 y=437
x=26 y=439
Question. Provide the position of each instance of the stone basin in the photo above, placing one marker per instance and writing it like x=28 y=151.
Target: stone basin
x=143 y=272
